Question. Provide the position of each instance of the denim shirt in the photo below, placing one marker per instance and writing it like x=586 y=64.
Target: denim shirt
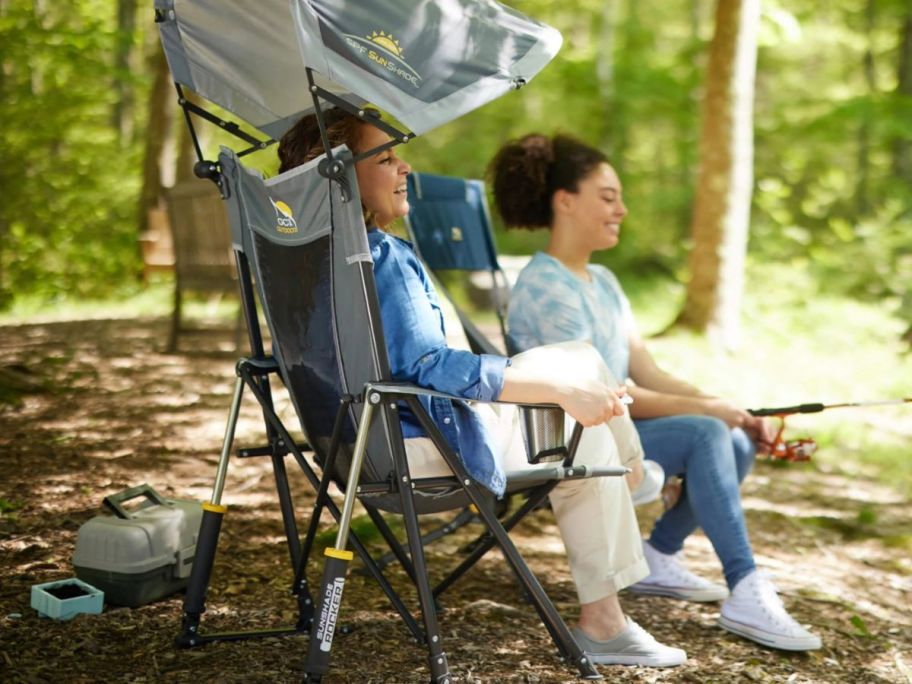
x=416 y=345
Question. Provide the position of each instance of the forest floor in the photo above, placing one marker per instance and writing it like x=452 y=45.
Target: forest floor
x=103 y=408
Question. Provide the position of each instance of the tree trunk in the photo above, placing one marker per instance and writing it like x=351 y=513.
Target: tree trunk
x=156 y=130
x=604 y=69
x=122 y=109
x=6 y=296
x=862 y=199
x=719 y=225
x=902 y=146
x=685 y=156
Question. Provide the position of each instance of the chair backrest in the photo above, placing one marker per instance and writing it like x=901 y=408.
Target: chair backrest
x=308 y=252
x=450 y=226
x=203 y=259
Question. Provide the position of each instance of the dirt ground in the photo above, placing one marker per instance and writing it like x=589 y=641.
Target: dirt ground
x=101 y=408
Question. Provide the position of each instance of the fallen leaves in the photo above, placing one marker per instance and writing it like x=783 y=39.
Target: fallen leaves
x=853 y=588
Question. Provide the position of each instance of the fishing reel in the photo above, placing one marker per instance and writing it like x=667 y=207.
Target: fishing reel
x=782 y=449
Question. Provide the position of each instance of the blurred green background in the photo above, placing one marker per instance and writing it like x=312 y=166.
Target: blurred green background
x=829 y=293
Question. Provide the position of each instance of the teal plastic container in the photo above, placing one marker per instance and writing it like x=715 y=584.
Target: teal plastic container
x=67 y=598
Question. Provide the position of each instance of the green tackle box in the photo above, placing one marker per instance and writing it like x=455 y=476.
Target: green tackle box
x=142 y=554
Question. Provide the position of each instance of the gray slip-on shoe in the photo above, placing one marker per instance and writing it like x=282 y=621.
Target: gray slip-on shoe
x=633 y=646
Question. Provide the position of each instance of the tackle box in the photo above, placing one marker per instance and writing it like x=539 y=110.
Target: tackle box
x=141 y=554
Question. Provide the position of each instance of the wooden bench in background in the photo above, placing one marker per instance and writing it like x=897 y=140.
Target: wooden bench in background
x=203 y=258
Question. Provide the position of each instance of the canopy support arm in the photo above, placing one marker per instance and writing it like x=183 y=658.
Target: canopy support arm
x=230 y=126
x=203 y=167
x=335 y=168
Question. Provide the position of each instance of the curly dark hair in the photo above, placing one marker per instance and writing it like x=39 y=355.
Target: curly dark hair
x=526 y=173
x=302 y=142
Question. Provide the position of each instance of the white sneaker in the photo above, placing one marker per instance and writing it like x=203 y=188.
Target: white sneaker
x=650 y=488
x=633 y=646
x=755 y=611
x=667 y=577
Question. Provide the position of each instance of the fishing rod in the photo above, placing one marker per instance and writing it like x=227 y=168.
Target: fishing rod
x=802 y=449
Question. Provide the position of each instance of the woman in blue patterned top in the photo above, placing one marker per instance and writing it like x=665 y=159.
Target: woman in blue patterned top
x=568 y=187
x=595 y=516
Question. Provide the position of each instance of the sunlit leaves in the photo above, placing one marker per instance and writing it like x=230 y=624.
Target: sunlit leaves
x=69 y=191
x=68 y=223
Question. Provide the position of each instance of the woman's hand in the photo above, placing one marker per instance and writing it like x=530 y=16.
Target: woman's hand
x=727 y=412
x=591 y=402
x=759 y=430
x=762 y=432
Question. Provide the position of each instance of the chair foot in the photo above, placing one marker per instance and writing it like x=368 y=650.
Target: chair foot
x=440 y=669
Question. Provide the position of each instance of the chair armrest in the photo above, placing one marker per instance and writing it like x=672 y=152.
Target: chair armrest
x=543 y=440
x=407 y=388
x=559 y=472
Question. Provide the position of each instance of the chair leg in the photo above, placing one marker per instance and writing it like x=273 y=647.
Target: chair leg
x=437 y=660
x=286 y=506
x=239 y=328
x=550 y=618
x=273 y=420
x=396 y=551
x=477 y=548
x=566 y=644
x=210 y=526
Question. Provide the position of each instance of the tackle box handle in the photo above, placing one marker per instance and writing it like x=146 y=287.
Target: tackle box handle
x=116 y=501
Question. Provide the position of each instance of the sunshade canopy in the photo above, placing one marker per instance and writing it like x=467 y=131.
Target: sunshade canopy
x=426 y=62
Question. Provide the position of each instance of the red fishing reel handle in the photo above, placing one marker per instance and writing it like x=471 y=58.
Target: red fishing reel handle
x=781 y=449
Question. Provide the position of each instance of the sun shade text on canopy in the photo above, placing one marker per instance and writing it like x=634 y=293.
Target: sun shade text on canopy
x=426 y=62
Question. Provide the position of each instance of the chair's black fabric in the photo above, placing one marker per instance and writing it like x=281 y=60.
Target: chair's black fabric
x=311 y=263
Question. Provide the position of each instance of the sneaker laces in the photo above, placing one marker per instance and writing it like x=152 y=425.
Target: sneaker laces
x=671 y=565
x=768 y=593
x=769 y=601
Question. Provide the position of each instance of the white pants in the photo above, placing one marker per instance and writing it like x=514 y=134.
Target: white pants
x=595 y=516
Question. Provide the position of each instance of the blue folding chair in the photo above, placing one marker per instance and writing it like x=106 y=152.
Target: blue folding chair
x=450 y=226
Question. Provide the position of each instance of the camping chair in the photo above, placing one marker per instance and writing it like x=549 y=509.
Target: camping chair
x=308 y=257
x=203 y=261
x=312 y=267
x=450 y=227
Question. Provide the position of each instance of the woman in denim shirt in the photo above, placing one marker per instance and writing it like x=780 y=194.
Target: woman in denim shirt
x=568 y=187
x=595 y=516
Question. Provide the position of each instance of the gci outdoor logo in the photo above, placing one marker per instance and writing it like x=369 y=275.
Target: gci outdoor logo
x=285 y=222
x=384 y=50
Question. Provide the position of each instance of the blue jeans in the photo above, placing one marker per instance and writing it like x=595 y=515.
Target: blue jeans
x=713 y=460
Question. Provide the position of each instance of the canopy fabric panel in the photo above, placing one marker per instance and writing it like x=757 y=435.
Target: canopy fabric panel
x=426 y=62
x=242 y=56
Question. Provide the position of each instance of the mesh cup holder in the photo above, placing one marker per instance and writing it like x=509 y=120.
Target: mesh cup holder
x=543 y=432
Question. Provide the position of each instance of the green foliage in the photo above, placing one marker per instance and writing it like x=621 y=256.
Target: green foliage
x=646 y=120
x=815 y=206
x=799 y=348
x=8 y=508
x=67 y=220
x=828 y=201
x=867 y=516
x=861 y=628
